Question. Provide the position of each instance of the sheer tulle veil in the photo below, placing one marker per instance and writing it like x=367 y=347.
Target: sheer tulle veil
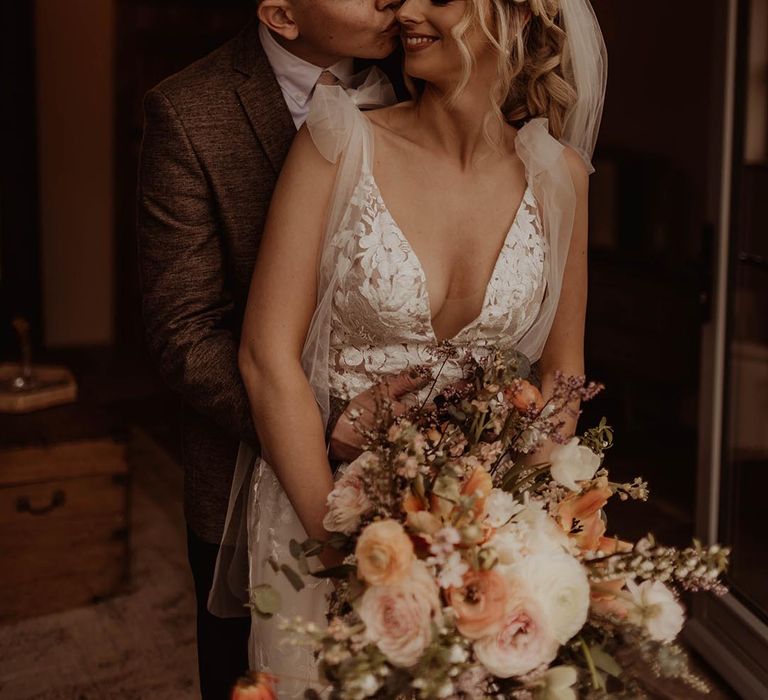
x=342 y=135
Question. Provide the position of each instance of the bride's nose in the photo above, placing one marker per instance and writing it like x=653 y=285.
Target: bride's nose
x=409 y=12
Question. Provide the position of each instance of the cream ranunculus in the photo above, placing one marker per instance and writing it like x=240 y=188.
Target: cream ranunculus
x=573 y=462
x=532 y=531
x=348 y=500
x=655 y=608
x=561 y=585
x=524 y=640
x=399 y=618
x=501 y=507
x=384 y=553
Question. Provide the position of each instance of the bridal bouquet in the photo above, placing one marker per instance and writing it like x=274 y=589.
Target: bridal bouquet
x=471 y=571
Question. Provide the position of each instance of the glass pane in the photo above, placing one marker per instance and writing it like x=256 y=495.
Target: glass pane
x=650 y=224
x=746 y=417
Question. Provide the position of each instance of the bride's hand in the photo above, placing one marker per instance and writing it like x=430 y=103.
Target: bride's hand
x=345 y=442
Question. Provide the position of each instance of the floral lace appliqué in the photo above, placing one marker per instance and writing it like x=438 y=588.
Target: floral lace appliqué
x=381 y=322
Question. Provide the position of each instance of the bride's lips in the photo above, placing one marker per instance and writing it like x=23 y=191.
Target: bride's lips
x=418 y=42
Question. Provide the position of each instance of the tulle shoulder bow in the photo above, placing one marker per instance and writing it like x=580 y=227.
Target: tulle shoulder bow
x=335 y=113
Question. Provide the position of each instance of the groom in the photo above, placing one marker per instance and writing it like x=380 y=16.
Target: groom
x=215 y=138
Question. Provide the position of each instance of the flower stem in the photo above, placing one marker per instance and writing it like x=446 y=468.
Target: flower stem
x=596 y=682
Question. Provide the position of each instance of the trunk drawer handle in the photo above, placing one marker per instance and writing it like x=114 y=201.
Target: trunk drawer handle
x=23 y=505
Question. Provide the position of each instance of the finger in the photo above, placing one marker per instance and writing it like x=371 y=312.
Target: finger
x=404 y=383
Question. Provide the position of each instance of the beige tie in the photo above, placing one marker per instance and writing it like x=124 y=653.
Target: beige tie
x=328 y=78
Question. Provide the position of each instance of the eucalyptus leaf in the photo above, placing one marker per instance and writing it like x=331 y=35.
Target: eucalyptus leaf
x=266 y=600
x=295 y=548
x=293 y=578
x=338 y=540
x=273 y=563
x=605 y=662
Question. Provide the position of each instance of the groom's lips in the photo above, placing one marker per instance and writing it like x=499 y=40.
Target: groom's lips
x=393 y=29
x=417 y=42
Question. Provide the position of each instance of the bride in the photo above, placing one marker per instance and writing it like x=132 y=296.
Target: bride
x=417 y=234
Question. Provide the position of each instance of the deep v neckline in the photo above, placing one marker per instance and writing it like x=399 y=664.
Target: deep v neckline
x=423 y=275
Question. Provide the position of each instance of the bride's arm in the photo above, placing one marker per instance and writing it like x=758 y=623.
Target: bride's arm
x=564 y=349
x=281 y=302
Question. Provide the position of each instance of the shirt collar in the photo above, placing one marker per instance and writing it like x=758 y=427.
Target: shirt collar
x=296 y=76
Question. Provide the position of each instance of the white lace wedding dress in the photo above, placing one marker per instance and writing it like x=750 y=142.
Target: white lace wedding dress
x=380 y=325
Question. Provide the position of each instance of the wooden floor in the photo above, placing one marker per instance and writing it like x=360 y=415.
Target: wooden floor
x=140 y=645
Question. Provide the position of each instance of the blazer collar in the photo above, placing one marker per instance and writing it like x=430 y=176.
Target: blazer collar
x=261 y=97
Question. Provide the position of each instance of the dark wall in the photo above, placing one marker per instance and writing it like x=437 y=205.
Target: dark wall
x=20 y=292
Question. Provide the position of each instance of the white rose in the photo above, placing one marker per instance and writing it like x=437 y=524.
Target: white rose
x=501 y=507
x=561 y=585
x=399 y=618
x=573 y=462
x=557 y=684
x=524 y=641
x=657 y=609
x=348 y=501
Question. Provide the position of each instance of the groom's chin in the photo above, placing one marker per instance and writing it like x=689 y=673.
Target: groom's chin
x=376 y=55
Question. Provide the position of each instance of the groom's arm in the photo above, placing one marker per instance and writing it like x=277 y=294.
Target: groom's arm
x=186 y=305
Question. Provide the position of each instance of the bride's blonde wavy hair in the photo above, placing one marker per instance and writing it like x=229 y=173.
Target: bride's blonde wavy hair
x=530 y=45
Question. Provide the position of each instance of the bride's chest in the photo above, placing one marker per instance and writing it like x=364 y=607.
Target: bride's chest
x=382 y=293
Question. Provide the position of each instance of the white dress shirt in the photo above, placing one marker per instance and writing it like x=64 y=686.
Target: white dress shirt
x=297 y=78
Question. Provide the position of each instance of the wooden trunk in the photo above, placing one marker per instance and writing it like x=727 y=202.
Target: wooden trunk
x=63 y=525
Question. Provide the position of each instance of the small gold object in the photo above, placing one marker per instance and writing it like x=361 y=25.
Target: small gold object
x=25 y=388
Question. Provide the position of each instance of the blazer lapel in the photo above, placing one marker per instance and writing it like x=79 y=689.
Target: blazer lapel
x=262 y=98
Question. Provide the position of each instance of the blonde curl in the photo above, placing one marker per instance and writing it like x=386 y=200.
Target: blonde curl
x=530 y=45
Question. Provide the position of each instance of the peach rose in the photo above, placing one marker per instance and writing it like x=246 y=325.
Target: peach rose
x=384 y=553
x=523 y=642
x=348 y=502
x=522 y=395
x=480 y=603
x=256 y=686
x=399 y=619
x=479 y=484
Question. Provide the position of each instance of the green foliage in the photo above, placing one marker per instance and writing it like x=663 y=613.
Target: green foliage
x=265 y=600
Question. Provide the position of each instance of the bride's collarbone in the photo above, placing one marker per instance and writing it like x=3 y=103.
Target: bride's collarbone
x=426 y=190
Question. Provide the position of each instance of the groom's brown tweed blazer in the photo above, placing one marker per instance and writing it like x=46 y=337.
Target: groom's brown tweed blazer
x=215 y=138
